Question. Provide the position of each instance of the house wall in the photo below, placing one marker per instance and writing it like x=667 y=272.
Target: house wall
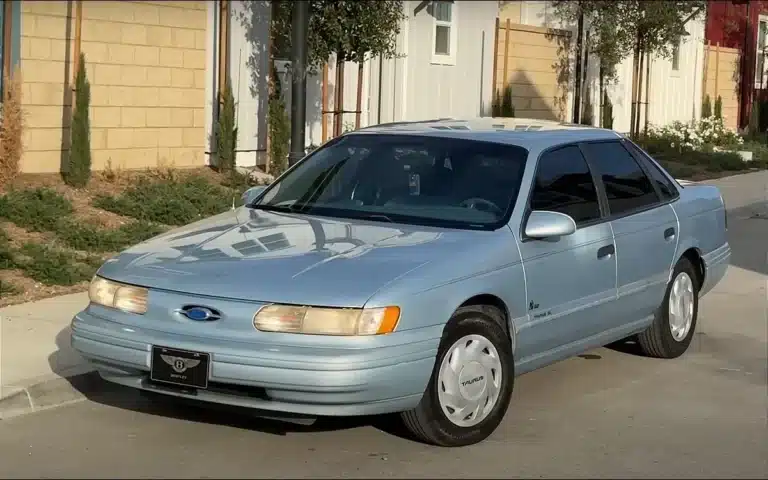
x=146 y=65
x=416 y=88
x=721 y=77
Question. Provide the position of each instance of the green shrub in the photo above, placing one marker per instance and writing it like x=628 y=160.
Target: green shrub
x=6 y=252
x=607 y=113
x=93 y=239
x=501 y=105
x=38 y=210
x=7 y=289
x=174 y=202
x=77 y=171
x=226 y=132
x=719 y=107
x=706 y=107
x=52 y=266
x=279 y=130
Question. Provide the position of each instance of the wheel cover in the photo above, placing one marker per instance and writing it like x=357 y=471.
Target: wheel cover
x=469 y=380
x=681 y=302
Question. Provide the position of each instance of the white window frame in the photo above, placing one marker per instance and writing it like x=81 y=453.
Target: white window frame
x=760 y=77
x=450 y=59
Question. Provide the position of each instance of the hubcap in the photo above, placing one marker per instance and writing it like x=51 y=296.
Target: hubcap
x=469 y=380
x=681 y=300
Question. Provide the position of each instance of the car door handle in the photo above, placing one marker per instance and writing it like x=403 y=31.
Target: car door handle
x=606 y=251
x=669 y=233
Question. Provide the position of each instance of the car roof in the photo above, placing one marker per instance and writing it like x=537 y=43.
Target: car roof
x=529 y=133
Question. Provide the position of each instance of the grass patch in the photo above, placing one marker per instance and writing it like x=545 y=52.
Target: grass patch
x=37 y=210
x=90 y=238
x=51 y=266
x=8 y=289
x=6 y=252
x=171 y=201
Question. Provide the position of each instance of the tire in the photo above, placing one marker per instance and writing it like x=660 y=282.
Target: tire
x=658 y=340
x=478 y=327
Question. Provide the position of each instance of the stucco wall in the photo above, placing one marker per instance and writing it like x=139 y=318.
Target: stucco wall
x=146 y=65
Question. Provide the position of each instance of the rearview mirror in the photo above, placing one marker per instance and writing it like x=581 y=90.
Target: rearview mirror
x=544 y=224
x=251 y=194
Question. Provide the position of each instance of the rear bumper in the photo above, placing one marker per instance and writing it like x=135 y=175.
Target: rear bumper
x=287 y=379
x=715 y=264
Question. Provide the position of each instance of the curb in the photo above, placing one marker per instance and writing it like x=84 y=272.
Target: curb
x=48 y=393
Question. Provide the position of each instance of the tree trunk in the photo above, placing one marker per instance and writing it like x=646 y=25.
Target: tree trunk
x=602 y=94
x=338 y=102
x=577 y=87
x=647 y=91
x=639 y=98
x=585 y=87
x=633 y=109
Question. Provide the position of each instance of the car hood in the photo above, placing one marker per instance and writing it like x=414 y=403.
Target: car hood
x=253 y=255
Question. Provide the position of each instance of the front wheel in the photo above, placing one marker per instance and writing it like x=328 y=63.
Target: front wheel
x=672 y=329
x=471 y=384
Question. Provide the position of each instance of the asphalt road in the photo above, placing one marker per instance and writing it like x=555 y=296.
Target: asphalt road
x=608 y=413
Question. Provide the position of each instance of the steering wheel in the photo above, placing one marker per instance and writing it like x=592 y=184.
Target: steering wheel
x=474 y=202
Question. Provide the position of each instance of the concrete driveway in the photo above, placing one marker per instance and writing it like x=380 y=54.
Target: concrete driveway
x=608 y=413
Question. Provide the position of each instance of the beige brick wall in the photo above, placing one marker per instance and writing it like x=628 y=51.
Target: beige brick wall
x=146 y=65
x=531 y=58
x=721 y=77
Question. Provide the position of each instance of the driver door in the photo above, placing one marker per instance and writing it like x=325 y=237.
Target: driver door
x=570 y=280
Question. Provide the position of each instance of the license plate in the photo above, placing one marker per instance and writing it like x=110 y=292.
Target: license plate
x=179 y=367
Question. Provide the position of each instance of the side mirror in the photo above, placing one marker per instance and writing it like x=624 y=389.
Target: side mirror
x=251 y=194
x=544 y=224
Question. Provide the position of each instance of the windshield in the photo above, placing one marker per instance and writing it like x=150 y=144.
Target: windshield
x=421 y=180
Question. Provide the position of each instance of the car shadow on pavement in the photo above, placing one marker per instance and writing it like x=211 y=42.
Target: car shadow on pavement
x=747 y=231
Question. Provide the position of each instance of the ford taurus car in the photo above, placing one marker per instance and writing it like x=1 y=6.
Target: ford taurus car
x=413 y=269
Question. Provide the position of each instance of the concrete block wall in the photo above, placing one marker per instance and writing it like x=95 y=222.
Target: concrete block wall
x=146 y=65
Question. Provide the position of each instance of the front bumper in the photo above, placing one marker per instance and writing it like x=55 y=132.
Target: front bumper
x=298 y=380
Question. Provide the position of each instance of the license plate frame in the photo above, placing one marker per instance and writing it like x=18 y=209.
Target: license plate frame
x=172 y=366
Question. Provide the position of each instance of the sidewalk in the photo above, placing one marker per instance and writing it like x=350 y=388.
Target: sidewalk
x=37 y=362
x=35 y=356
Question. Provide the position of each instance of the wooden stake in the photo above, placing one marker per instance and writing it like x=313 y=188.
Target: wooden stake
x=7 y=39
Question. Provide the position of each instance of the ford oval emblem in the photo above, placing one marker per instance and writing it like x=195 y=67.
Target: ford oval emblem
x=200 y=314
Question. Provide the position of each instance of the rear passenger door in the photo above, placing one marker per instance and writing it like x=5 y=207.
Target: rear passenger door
x=570 y=280
x=645 y=228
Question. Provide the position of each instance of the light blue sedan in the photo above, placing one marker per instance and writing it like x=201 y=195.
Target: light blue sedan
x=413 y=268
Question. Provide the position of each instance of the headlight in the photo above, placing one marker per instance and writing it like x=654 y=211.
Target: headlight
x=117 y=295
x=327 y=321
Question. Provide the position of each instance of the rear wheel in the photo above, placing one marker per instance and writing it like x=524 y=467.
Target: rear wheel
x=471 y=384
x=672 y=330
